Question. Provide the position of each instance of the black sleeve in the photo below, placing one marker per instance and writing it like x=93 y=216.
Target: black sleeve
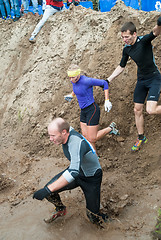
x=148 y=38
x=124 y=58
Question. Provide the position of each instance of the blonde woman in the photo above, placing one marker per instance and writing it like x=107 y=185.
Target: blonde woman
x=90 y=111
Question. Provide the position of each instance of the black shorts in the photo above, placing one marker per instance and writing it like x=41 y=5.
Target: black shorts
x=90 y=115
x=149 y=88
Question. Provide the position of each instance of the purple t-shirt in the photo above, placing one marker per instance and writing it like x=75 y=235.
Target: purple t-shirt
x=83 y=90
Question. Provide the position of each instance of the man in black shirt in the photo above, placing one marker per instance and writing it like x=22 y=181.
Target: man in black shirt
x=148 y=76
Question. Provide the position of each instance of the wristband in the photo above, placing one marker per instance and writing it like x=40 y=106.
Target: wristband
x=107 y=81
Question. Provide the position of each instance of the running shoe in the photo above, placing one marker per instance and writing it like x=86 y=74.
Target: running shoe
x=32 y=40
x=16 y=19
x=114 y=129
x=99 y=219
x=105 y=217
x=138 y=143
x=57 y=213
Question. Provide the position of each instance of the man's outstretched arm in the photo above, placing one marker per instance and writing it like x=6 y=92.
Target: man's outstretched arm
x=116 y=73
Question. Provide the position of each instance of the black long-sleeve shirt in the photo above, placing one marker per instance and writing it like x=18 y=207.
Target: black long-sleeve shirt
x=142 y=54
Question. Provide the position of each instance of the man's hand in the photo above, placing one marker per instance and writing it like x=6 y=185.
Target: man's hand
x=42 y=193
x=107 y=105
x=68 y=97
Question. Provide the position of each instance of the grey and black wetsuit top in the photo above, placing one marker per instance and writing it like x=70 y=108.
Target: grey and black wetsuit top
x=83 y=159
x=142 y=54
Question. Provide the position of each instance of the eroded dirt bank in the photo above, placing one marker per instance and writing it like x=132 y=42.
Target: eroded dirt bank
x=33 y=82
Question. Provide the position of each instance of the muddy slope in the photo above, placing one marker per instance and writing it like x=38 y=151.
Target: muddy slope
x=33 y=82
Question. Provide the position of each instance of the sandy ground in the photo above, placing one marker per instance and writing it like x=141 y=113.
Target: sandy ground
x=33 y=82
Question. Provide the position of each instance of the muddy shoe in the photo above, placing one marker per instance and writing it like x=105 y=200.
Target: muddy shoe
x=138 y=144
x=99 y=219
x=114 y=129
x=32 y=39
x=57 y=213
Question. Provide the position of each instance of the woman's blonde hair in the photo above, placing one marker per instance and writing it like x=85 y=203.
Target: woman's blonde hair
x=73 y=67
x=73 y=70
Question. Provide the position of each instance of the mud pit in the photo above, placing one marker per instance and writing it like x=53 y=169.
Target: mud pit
x=33 y=82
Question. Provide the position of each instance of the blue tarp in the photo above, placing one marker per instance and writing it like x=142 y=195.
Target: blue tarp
x=132 y=3
x=146 y=5
x=106 y=5
x=151 y=5
x=87 y=4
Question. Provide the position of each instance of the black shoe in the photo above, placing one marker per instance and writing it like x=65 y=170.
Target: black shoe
x=99 y=219
x=105 y=217
x=16 y=19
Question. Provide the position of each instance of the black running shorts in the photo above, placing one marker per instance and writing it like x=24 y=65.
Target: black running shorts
x=90 y=115
x=149 y=88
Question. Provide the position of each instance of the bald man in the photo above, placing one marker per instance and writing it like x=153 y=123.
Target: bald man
x=84 y=171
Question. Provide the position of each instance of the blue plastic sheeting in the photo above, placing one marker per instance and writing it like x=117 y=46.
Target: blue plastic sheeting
x=40 y=11
x=132 y=3
x=151 y=5
x=87 y=4
x=84 y=4
x=106 y=5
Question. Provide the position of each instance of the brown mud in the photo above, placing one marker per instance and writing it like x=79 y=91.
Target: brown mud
x=33 y=82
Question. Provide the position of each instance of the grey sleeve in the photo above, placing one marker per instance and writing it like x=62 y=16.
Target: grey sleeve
x=77 y=149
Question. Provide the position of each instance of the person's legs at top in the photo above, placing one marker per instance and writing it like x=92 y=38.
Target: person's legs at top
x=8 y=9
x=26 y=6
x=2 y=9
x=49 y=11
x=35 y=7
x=43 y=5
x=12 y=9
x=16 y=9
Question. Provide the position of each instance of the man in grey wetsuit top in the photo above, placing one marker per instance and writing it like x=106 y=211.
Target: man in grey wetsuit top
x=84 y=171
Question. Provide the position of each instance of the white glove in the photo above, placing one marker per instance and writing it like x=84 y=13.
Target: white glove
x=68 y=97
x=107 y=105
